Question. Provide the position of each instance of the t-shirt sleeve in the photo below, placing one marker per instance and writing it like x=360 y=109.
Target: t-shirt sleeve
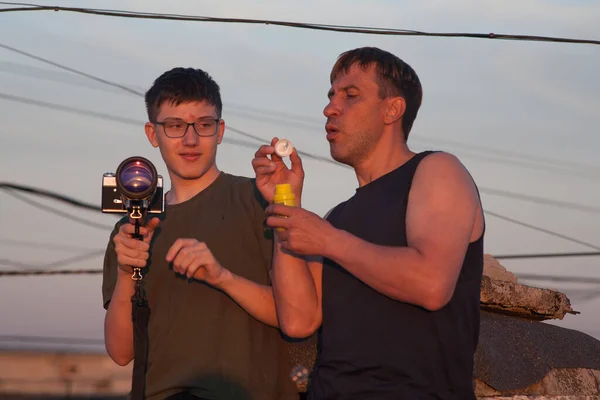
x=109 y=272
x=263 y=233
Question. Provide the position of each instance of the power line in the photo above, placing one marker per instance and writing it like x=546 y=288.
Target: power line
x=303 y=122
x=555 y=278
x=526 y=164
x=330 y=161
x=290 y=24
x=95 y=78
x=54 y=272
x=245 y=111
x=506 y=153
x=55 y=264
x=39 y=245
x=540 y=200
x=129 y=121
x=107 y=117
x=547 y=255
x=49 y=194
x=243 y=133
x=547 y=231
x=49 y=339
x=63 y=214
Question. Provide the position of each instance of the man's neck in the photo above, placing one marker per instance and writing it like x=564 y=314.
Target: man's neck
x=390 y=153
x=184 y=189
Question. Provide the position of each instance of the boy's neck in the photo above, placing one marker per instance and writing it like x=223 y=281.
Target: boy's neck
x=184 y=189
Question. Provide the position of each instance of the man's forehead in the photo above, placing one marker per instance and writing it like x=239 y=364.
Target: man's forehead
x=355 y=75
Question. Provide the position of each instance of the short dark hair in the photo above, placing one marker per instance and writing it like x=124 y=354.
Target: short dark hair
x=395 y=78
x=183 y=85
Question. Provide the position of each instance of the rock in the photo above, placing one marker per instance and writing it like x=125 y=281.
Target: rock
x=517 y=356
x=523 y=301
x=493 y=269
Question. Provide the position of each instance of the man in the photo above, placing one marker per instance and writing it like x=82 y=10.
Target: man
x=206 y=264
x=395 y=295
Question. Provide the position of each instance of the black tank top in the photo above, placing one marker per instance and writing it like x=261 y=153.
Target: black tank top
x=373 y=347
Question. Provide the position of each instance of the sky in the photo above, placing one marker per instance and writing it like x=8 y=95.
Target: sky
x=522 y=117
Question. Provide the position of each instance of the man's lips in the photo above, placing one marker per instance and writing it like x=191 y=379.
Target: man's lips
x=331 y=130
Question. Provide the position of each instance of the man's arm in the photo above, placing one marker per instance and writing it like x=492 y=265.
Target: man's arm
x=297 y=292
x=443 y=216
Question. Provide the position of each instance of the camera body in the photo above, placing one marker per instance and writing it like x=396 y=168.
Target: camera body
x=135 y=188
x=114 y=202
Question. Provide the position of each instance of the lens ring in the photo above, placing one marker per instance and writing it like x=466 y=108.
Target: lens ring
x=136 y=178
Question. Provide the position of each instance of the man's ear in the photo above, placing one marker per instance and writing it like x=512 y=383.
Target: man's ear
x=151 y=134
x=220 y=131
x=396 y=107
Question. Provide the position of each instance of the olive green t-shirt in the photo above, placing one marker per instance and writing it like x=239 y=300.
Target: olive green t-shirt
x=200 y=340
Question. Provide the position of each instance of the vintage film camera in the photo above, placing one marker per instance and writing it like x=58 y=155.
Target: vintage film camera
x=135 y=188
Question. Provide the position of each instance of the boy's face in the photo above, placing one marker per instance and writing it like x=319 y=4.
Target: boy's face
x=191 y=156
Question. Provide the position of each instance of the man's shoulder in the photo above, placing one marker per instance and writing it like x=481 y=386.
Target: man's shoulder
x=438 y=160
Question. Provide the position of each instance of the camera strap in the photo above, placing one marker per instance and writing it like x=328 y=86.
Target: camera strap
x=139 y=315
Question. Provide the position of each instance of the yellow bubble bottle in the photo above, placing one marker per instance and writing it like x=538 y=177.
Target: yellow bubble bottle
x=284 y=195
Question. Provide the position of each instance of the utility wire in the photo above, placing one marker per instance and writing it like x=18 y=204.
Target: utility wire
x=63 y=214
x=52 y=195
x=92 y=77
x=55 y=264
x=243 y=133
x=53 y=272
x=108 y=117
x=547 y=231
x=301 y=25
x=540 y=200
x=307 y=123
x=546 y=255
x=505 y=153
x=331 y=161
x=45 y=246
x=258 y=139
x=555 y=278
x=130 y=121
x=495 y=191
x=48 y=339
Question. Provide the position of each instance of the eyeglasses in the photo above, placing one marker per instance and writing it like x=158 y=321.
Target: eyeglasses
x=176 y=128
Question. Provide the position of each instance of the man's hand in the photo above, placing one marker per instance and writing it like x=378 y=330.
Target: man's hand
x=271 y=170
x=133 y=252
x=192 y=258
x=304 y=232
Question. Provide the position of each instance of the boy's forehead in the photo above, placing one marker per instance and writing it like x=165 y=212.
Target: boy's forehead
x=171 y=106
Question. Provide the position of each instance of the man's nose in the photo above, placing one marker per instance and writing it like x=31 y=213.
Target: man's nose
x=331 y=110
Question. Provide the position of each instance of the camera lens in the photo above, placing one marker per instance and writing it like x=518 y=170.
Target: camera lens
x=136 y=178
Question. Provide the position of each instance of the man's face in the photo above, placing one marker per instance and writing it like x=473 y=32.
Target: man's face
x=191 y=156
x=354 y=115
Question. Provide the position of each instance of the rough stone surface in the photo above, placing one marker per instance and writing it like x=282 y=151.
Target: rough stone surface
x=482 y=389
x=575 y=381
x=493 y=269
x=516 y=353
x=524 y=301
x=541 y=398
